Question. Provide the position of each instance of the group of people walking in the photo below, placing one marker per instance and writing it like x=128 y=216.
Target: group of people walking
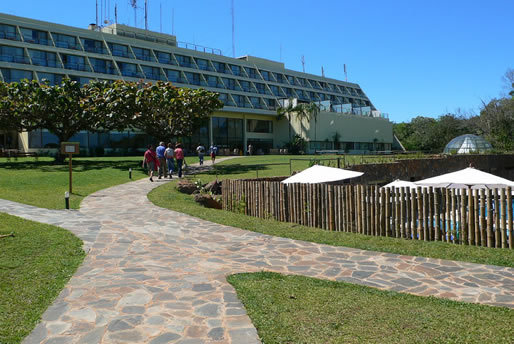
x=166 y=159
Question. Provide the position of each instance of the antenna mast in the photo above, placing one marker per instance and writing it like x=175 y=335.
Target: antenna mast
x=160 y=16
x=97 y=13
x=146 y=14
x=233 y=33
x=133 y=3
x=303 y=63
x=116 y=13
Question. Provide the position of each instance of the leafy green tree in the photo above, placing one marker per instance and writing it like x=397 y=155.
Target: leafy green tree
x=304 y=112
x=497 y=123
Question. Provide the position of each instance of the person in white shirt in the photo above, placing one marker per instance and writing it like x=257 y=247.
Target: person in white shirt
x=201 y=152
x=169 y=155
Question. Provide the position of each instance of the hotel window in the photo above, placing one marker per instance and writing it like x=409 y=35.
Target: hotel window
x=74 y=62
x=229 y=83
x=279 y=77
x=314 y=84
x=271 y=102
x=265 y=75
x=220 y=67
x=35 y=36
x=81 y=80
x=202 y=64
x=118 y=50
x=174 y=76
x=236 y=70
x=275 y=90
x=184 y=61
x=252 y=73
x=256 y=102
x=43 y=58
x=103 y=66
x=239 y=99
x=153 y=73
x=212 y=81
x=259 y=126
x=163 y=57
x=290 y=78
x=129 y=69
x=245 y=85
x=12 y=54
x=288 y=91
x=53 y=79
x=12 y=75
x=225 y=99
x=261 y=88
x=9 y=32
x=301 y=94
x=302 y=82
x=93 y=46
x=65 y=41
x=142 y=54
x=193 y=78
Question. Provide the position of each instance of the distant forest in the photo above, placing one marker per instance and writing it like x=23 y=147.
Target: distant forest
x=495 y=123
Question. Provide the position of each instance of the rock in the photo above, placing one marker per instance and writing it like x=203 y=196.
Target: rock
x=207 y=201
x=214 y=187
x=186 y=186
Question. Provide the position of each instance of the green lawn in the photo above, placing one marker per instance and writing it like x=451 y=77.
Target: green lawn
x=297 y=309
x=35 y=265
x=42 y=183
x=167 y=197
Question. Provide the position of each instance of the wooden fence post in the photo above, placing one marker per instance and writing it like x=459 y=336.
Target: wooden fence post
x=483 y=240
x=489 y=230
x=463 y=217
x=437 y=213
x=413 y=202
x=402 y=212
x=388 y=212
x=497 y=238
x=503 y=218
x=509 y=209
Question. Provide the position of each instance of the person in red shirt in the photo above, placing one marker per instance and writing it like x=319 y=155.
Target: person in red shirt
x=179 y=157
x=151 y=161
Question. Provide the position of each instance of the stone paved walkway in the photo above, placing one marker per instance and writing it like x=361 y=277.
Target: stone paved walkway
x=157 y=276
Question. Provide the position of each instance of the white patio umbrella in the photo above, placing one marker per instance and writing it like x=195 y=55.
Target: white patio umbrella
x=400 y=184
x=466 y=178
x=321 y=174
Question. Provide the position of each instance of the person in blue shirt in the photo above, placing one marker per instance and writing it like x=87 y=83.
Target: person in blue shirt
x=162 y=160
x=214 y=152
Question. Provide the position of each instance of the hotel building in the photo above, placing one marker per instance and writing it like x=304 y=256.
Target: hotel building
x=251 y=88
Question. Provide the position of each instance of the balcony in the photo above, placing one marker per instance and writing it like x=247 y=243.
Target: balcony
x=9 y=35
x=67 y=45
x=44 y=62
x=14 y=59
x=76 y=66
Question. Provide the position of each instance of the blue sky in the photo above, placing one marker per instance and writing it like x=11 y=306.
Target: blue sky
x=416 y=57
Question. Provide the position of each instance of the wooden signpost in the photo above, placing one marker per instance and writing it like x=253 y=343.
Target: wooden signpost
x=70 y=148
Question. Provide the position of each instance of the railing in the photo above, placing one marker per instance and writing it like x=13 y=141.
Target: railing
x=465 y=216
x=201 y=48
x=14 y=58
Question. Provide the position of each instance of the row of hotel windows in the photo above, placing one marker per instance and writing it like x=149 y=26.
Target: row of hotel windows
x=95 y=46
x=11 y=75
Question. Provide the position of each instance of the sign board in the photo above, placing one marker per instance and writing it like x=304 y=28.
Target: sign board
x=70 y=148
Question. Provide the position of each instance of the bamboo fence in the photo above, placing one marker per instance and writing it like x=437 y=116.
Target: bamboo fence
x=459 y=216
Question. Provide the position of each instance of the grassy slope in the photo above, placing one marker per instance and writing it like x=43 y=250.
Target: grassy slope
x=296 y=309
x=34 y=267
x=41 y=183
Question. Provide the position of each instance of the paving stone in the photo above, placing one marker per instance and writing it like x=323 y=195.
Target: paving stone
x=165 y=338
x=119 y=325
x=209 y=310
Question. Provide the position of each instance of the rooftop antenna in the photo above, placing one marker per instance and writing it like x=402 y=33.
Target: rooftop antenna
x=345 y=74
x=109 y=10
x=160 y=16
x=96 y=12
x=303 y=63
x=233 y=33
x=133 y=3
x=116 y=13
x=322 y=72
x=146 y=15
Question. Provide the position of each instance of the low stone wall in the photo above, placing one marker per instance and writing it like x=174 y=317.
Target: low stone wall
x=415 y=169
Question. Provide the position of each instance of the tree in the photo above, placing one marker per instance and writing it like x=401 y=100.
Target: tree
x=303 y=112
x=165 y=111
x=497 y=123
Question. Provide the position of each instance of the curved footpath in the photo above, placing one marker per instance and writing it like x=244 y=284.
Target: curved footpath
x=157 y=276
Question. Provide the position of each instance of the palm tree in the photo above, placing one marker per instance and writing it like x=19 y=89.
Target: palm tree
x=302 y=111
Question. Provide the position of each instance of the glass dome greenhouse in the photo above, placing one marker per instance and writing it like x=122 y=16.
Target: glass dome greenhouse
x=468 y=143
